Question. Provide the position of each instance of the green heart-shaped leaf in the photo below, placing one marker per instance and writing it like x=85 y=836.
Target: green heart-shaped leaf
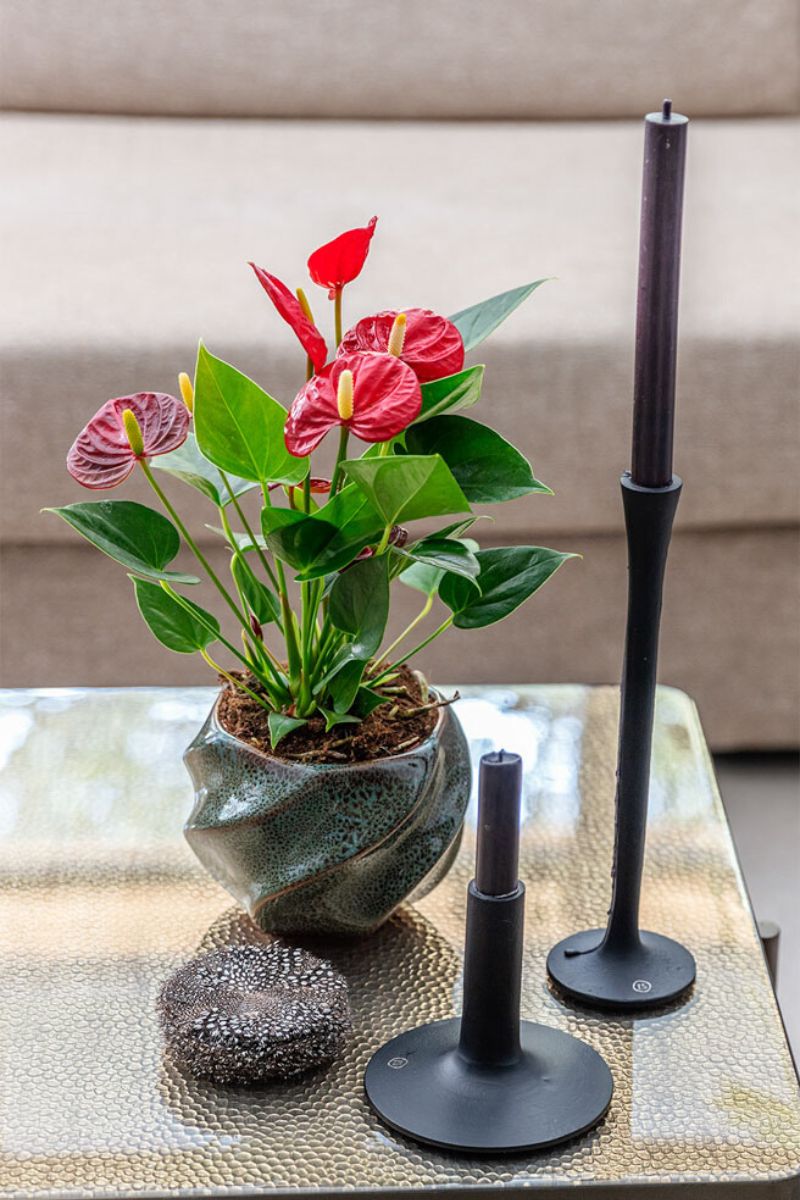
x=280 y=725
x=134 y=535
x=451 y=393
x=261 y=600
x=476 y=323
x=508 y=576
x=408 y=486
x=328 y=539
x=359 y=605
x=239 y=426
x=179 y=625
x=333 y=718
x=445 y=554
x=488 y=468
x=189 y=465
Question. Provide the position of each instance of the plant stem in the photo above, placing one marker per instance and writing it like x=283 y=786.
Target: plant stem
x=289 y=630
x=337 y=316
x=341 y=454
x=195 y=549
x=234 y=682
x=399 y=662
x=184 y=603
x=249 y=532
x=384 y=542
x=419 y=617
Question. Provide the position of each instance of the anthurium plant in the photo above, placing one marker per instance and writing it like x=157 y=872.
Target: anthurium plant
x=309 y=585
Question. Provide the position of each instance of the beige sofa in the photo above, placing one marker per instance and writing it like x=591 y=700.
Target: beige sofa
x=150 y=149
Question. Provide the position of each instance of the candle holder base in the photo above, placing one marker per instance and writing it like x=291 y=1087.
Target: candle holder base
x=422 y=1085
x=648 y=973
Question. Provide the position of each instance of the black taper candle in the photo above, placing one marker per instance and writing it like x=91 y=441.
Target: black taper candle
x=487 y=1081
x=657 y=297
x=497 y=853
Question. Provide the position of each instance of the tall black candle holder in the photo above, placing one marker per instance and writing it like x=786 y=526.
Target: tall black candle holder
x=623 y=967
x=487 y=1082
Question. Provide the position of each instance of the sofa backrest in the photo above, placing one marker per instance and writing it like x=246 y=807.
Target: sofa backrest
x=401 y=58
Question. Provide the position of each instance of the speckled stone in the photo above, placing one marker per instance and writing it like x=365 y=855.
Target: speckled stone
x=248 y=1013
x=325 y=848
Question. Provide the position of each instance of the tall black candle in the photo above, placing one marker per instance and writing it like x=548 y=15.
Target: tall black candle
x=497 y=854
x=657 y=299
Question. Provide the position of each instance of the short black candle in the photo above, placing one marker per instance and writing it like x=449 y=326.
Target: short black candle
x=657 y=298
x=499 y=791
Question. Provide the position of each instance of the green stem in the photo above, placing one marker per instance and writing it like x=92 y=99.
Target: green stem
x=234 y=682
x=384 y=542
x=195 y=549
x=341 y=454
x=289 y=632
x=419 y=617
x=184 y=603
x=249 y=532
x=337 y=316
x=399 y=662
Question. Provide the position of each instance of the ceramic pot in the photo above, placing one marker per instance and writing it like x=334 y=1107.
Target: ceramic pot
x=326 y=848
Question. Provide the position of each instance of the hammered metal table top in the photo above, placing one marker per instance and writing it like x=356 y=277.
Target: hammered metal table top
x=101 y=899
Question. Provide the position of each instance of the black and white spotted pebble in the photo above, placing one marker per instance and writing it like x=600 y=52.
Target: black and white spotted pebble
x=244 y=1014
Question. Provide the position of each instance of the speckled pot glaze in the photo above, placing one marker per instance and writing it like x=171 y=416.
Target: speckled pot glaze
x=326 y=848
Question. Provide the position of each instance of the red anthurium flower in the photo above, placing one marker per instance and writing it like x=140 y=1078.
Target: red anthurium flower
x=340 y=261
x=382 y=397
x=101 y=455
x=432 y=347
x=291 y=310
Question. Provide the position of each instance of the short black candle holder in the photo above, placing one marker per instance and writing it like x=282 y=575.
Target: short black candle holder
x=622 y=967
x=488 y=1082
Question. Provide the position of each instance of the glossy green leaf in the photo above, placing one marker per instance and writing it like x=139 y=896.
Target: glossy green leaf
x=280 y=725
x=451 y=393
x=261 y=600
x=188 y=464
x=182 y=627
x=333 y=718
x=343 y=684
x=445 y=554
x=325 y=541
x=508 y=576
x=488 y=468
x=359 y=605
x=423 y=578
x=408 y=487
x=476 y=323
x=295 y=538
x=134 y=535
x=366 y=701
x=239 y=426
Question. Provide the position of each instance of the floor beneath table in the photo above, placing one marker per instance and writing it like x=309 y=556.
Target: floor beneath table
x=762 y=798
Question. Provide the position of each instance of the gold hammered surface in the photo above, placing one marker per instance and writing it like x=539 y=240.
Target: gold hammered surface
x=100 y=899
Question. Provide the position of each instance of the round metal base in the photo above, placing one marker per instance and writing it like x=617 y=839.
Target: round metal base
x=646 y=975
x=421 y=1085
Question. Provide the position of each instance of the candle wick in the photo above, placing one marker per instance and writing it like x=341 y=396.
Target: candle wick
x=666 y=110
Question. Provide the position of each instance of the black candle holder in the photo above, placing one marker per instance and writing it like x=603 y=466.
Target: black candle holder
x=488 y=1082
x=623 y=967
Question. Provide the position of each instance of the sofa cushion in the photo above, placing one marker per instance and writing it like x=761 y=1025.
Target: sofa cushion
x=124 y=240
x=421 y=58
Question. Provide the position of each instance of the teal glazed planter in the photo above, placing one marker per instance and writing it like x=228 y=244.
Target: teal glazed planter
x=325 y=848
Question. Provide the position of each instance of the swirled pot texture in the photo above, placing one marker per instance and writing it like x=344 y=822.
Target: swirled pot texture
x=325 y=848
